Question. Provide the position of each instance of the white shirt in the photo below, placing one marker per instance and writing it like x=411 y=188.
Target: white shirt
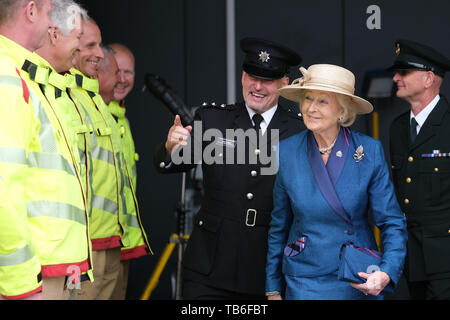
x=267 y=116
x=423 y=115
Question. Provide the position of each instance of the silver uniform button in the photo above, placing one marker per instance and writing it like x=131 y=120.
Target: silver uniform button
x=200 y=223
x=162 y=165
x=254 y=173
x=250 y=196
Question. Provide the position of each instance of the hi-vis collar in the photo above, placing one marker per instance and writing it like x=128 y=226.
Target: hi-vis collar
x=45 y=76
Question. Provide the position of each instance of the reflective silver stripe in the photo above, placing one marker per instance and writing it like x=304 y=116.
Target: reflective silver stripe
x=10 y=155
x=132 y=221
x=103 y=154
x=121 y=168
x=49 y=158
x=104 y=204
x=56 y=210
x=91 y=185
x=50 y=162
x=11 y=80
x=17 y=257
x=46 y=134
x=134 y=171
x=82 y=156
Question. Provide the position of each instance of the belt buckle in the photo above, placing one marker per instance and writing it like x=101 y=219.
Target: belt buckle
x=247 y=218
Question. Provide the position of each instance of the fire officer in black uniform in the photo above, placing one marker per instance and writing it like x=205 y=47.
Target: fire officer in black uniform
x=420 y=156
x=226 y=255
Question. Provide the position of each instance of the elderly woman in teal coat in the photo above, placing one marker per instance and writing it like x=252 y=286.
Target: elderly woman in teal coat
x=329 y=178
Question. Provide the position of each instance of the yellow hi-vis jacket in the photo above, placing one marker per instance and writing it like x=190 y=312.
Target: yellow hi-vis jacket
x=139 y=245
x=38 y=162
x=55 y=87
x=108 y=216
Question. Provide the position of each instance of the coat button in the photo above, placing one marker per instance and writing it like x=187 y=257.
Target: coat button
x=249 y=196
x=162 y=165
x=406 y=201
x=436 y=169
x=410 y=159
x=254 y=173
x=408 y=180
x=200 y=223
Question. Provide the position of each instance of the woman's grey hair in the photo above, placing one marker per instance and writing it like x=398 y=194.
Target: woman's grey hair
x=345 y=102
x=66 y=15
x=349 y=116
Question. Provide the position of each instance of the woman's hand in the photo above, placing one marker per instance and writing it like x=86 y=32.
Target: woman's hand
x=376 y=282
x=275 y=297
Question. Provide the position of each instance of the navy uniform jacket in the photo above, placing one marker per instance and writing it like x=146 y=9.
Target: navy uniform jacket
x=225 y=250
x=304 y=212
x=423 y=189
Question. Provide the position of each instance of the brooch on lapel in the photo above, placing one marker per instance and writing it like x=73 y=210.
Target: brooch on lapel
x=359 y=155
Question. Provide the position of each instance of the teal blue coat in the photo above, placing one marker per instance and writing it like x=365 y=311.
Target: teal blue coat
x=301 y=211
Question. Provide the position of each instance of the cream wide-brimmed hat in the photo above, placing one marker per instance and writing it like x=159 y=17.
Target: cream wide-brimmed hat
x=330 y=78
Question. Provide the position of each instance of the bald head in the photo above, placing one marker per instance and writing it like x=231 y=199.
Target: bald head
x=107 y=72
x=126 y=62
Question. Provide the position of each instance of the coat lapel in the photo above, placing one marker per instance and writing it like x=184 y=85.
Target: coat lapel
x=431 y=125
x=278 y=122
x=242 y=120
x=339 y=156
x=323 y=179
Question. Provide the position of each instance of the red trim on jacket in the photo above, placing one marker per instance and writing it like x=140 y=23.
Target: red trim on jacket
x=106 y=243
x=23 y=296
x=26 y=93
x=134 y=253
x=63 y=270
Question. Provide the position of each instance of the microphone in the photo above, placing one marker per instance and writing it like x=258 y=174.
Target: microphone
x=169 y=98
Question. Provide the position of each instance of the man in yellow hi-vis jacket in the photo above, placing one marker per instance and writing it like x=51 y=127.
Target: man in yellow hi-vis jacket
x=108 y=220
x=43 y=217
x=109 y=75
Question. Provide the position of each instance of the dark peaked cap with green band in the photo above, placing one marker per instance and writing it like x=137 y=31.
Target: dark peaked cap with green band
x=266 y=59
x=412 y=55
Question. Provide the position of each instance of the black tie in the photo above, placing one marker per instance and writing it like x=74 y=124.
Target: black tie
x=414 y=125
x=258 y=119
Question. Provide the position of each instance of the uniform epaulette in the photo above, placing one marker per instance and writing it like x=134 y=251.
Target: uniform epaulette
x=214 y=105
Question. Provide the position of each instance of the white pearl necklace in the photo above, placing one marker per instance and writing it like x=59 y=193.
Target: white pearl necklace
x=327 y=149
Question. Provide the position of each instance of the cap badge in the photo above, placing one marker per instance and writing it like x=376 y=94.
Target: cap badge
x=264 y=56
x=398 y=50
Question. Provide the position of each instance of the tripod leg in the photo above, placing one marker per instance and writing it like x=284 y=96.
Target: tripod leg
x=153 y=282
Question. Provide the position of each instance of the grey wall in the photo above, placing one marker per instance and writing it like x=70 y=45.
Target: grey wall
x=184 y=42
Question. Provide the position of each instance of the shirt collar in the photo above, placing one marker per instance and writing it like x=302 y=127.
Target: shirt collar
x=268 y=115
x=423 y=115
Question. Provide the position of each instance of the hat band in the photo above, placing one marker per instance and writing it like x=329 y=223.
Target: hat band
x=263 y=73
x=320 y=82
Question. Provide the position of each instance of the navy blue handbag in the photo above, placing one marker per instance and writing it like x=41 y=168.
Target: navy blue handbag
x=354 y=259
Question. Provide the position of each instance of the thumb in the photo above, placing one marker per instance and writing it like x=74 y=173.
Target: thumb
x=363 y=275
